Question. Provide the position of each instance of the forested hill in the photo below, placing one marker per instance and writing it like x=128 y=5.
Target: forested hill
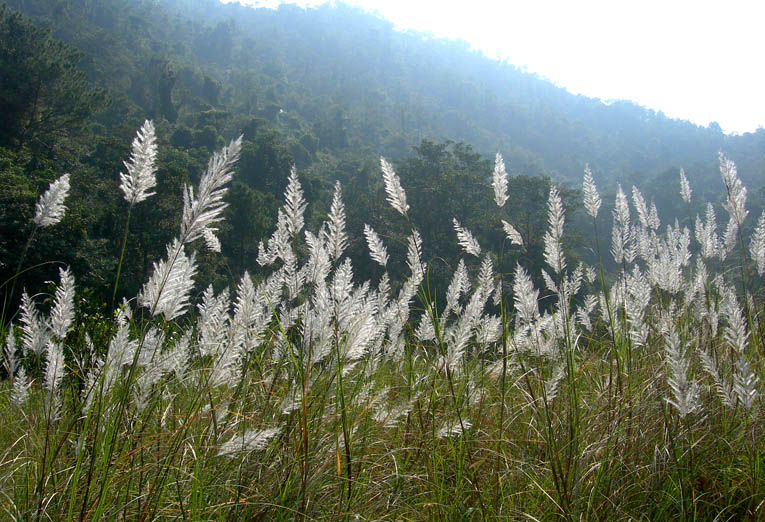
x=336 y=78
x=329 y=90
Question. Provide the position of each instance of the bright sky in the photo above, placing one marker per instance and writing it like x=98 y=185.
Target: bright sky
x=696 y=60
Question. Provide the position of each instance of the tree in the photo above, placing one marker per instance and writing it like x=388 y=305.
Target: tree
x=249 y=219
x=43 y=96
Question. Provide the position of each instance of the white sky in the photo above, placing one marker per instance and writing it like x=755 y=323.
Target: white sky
x=696 y=60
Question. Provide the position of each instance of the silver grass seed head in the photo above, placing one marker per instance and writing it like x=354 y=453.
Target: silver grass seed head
x=499 y=181
x=745 y=383
x=736 y=202
x=640 y=206
x=10 y=362
x=335 y=235
x=466 y=240
x=757 y=245
x=50 y=208
x=512 y=234
x=21 y=387
x=377 y=250
x=525 y=295
x=591 y=197
x=62 y=313
x=553 y=251
x=168 y=290
x=204 y=209
x=396 y=196
x=141 y=171
x=685 y=187
x=414 y=257
x=621 y=207
x=34 y=330
x=54 y=366
x=294 y=204
x=459 y=285
x=252 y=440
x=684 y=391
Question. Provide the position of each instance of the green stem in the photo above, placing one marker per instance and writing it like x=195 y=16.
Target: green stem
x=122 y=256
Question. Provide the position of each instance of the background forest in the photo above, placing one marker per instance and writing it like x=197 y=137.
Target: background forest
x=327 y=89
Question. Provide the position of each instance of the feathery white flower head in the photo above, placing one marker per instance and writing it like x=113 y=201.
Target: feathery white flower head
x=499 y=181
x=466 y=239
x=525 y=295
x=395 y=193
x=294 y=204
x=736 y=203
x=745 y=383
x=167 y=292
x=377 y=250
x=335 y=236
x=512 y=234
x=62 y=313
x=757 y=245
x=9 y=353
x=640 y=206
x=252 y=440
x=554 y=236
x=414 y=255
x=591 y=196
x=50 y=208
x=621 y=234
x=204 y=209
x=685 y=187
x=140 y=177
x=211 y=240
x=35 y=333
x=54 y=366
x=685 y=391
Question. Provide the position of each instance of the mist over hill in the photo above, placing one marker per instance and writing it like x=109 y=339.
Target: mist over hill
x=349 y=80
x=328 y=89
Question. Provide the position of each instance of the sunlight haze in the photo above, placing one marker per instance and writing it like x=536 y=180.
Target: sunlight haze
x=692 y=60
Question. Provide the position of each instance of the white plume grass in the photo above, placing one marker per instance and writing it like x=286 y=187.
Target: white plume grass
x=34 y=330
x=466 y=240
x=757 y=245
x=50 y=208
x=336 y=237
x=591 y=197
x=168 y=290
x=200 y=212
x=685 y=187
x=294 y=204
x=553 y=238
x=685 y=391
x=140 y=177
x=499 y=181
x=512 y=234
x=377 y=250
x=252 y=440
x=396 y=196
x=62 y=313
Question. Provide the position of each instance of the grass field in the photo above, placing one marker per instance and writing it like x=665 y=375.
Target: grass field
x=308 y=395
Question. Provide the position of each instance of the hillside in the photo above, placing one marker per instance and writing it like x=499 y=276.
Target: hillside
x=327 y=89
x=346 y=80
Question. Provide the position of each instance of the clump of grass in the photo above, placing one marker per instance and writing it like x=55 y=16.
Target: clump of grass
x=307 y=394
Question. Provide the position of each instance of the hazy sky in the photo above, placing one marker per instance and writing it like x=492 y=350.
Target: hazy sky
x=697 y=60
